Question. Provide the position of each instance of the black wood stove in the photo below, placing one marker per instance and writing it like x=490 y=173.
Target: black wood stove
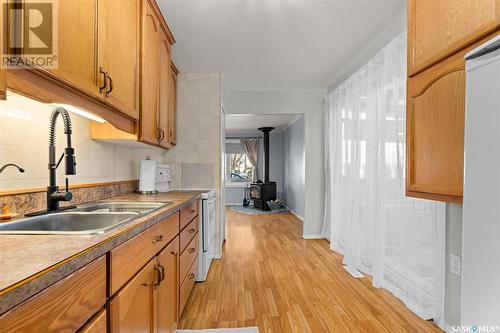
x=262 y=192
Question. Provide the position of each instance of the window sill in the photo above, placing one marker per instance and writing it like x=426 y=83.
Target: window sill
x=237 y=184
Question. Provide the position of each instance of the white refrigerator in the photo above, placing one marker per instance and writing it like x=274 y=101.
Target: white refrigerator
x=480 y=303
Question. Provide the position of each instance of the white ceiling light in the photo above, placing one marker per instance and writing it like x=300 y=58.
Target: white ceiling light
x=80 y=112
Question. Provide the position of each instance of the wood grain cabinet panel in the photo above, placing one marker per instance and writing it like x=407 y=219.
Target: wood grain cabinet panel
x=165 y=92
x=77 y=40
x=187 y=285
x=119 y=53
x=188 y=233
x=435 y=137
x=168 y=289
x=3 y=74
x=438 y=28
x=132 y=309
x=63 y=307
x=98 y=324
x=172 y=106
x=188 y=213
x=187 y=257
x=129 y=257
x=150 y=84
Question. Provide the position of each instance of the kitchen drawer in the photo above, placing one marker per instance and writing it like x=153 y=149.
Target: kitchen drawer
x=187 y=286
x=97 y=324
x=188 y=213
x=63 y=307
x=128 y=258
x=188 y=233
x=187 y=257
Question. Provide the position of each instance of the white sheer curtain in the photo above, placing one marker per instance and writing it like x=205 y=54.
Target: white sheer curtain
x=398 y=240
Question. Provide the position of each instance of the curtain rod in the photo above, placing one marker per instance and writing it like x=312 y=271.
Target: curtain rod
x=243 y=137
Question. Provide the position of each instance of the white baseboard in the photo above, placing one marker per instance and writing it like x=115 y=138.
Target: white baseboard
x=296 y=215
x=233 y=204
x=313 y=236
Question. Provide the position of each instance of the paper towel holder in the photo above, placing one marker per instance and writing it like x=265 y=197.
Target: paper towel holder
x=153 y=171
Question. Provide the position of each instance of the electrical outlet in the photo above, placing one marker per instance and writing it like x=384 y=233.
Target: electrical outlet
x=456 y=265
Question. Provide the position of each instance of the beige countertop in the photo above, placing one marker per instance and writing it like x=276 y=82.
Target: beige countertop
x=30 y=263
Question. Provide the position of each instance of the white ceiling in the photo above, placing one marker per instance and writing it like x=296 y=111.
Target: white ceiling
x=275 y=44
x=239 y=123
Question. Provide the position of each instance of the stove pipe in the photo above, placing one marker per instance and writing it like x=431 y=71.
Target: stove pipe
x=266 y=131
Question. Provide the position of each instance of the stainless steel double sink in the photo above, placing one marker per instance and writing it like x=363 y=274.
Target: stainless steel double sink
x=85 y=219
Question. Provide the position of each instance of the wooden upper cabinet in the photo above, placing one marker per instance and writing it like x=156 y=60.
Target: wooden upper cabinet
x=435 y=134
x=168 y=288
x=132 y=308
x=165 y=91
x=172 y=108
x=119 y=54
x=438 y=28
x=149 y=131
x=3 y=85
x=77 y=40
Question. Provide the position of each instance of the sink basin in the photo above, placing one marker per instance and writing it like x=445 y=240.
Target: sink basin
x=139 y=207
x=86 y=219
x=66 y=223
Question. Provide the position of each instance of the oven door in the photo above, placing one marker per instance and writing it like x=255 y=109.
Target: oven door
x=208 y=224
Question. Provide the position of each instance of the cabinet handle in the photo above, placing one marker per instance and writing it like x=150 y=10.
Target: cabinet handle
x=191 y=231
x=191 y=250
x=162 y=132
x=108 y=92
x=191 y=276
x=161 y=274
x=192 y=211
x=145 y=284
x=105 y=81
x=173 y=253
x=158 y=239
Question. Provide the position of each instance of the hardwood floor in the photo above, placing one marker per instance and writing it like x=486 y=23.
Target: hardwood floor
x=272 y=278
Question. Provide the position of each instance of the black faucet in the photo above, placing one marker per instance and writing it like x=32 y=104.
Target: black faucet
x=53 y=193
x=21 y=170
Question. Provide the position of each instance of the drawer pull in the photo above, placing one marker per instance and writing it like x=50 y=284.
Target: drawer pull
x=191 y=276
x=192 y=230
x=191 y=250
x=158 y=239
x=161 y=274
x=145 y=284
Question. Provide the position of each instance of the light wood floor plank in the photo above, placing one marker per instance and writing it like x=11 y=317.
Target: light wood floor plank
x=272 y=278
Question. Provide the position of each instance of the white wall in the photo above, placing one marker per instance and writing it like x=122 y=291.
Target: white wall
x=24 y=132
x=195 y=160
x=310 y=104
x=453 y=282
x=294 y=171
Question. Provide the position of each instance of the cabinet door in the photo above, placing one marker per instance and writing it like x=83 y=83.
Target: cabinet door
x=119 y=53
x=168 y=288
x=77 y=39
x=165 y=91
x=3 y=85
x=438 y=28
x=97 y=324
x=172 y=109
x=132 y=309
x=435 y=135
x=150 y=75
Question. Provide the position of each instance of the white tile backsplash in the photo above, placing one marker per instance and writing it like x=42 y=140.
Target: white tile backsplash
x=24 y=130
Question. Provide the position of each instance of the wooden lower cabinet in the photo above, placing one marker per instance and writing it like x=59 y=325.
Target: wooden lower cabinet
x=167 y=290
x=63 y=307
x=132 y=308
x=148 y=302
x=98 y=324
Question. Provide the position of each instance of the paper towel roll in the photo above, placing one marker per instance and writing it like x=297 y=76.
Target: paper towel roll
x=147 y=176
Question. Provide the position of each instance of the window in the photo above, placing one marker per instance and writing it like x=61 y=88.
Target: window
x=239 y=168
